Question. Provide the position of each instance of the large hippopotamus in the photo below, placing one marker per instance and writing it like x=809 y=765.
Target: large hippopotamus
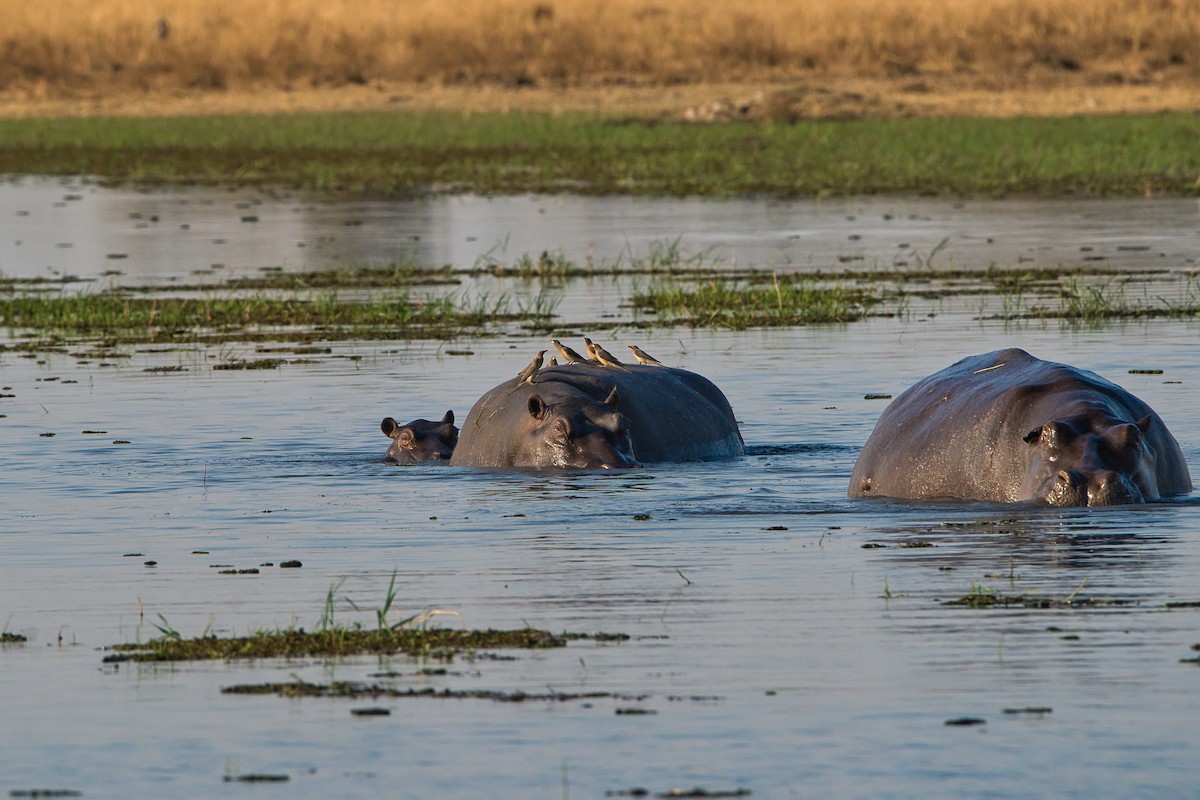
x=1006 y=426
x=590 y=416
x=420 y=440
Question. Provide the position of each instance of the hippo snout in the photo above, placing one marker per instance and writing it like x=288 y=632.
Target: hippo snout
x=1102 y=488
x=1111 y=489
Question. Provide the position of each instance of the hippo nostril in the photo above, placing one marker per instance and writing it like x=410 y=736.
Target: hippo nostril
x=1113 y=488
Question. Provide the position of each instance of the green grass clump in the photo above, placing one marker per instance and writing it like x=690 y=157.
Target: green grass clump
x=140 y=319
x=719 y=302
x=338 y=641
x=408 y=152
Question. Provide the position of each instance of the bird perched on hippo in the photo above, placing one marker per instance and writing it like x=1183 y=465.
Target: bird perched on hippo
x=1006 y=426
x=588 y=415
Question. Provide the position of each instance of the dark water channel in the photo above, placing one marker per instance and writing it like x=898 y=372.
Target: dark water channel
x=785 y=640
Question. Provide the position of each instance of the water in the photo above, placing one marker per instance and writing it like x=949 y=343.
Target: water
x=776 y=652
x=51 y=229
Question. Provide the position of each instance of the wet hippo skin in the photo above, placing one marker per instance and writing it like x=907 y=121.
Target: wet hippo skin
x=588 y=416
x=1006 y=426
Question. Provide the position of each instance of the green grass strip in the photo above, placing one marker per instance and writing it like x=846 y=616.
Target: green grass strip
x=407 y=152
x=158 y=319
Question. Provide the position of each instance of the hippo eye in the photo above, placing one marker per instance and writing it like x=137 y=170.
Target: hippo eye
x=561 y=430
x=406 y=437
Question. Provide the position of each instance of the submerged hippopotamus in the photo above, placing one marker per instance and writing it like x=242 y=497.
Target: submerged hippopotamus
x=420 y=440
x=588 y=416
x=1006 y=426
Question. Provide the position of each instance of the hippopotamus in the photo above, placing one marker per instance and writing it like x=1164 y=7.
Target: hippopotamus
x=420 y=440
x=1006 y=427
x=590 y=416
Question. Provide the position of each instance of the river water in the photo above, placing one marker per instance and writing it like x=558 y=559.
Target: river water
x=785 y=640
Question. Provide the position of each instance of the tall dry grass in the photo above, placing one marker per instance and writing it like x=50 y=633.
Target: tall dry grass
x=93 y=45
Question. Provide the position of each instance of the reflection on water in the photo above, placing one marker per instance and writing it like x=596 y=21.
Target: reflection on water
x=201 y=234
x=785 y=639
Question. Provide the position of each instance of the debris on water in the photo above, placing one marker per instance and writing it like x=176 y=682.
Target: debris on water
x=100 y=433
x=46 y=435
x=257 y=778
x=635 y=712
x=133 y=555
x=877 y=397
x=121 y=441
x=45 y=793
x=965 y=722
x=698 y=791
x=873 y=546
x=641 y=517
x=293 y=564
x=775 y=528
x=150 y=563
x=373 y=711
x=12 y=638
x=1145 y=372
x=251 y=571
x=1035 y=711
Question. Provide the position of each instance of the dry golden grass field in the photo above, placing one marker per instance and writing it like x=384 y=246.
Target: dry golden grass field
x=780 y=58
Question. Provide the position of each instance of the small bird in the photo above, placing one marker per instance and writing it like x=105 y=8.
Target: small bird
x=526 y=375
x=569 y=355
x=606 y=358
x=590 y=349
x=553 y=362
x=643 y=357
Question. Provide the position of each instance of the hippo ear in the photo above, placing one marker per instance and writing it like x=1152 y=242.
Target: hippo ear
x=613 y=398
x=537 y=406
x=388 y=426
x=449 y=418
x=1125 y=437
x=1033 y=435
x=1144 y=424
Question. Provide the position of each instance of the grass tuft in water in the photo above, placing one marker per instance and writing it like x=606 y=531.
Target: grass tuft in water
x=139 y=319
x=336 y=641
x=738 y=306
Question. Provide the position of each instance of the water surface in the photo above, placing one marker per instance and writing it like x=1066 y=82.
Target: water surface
x=786 y=640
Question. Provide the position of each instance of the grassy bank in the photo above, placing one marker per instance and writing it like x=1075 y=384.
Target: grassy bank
x=412 y=152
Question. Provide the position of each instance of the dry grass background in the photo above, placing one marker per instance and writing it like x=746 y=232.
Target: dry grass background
x=76 y=56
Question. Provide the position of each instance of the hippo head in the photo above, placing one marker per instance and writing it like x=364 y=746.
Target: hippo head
x=579 y=433
x=420 y=440
x=1085 y=461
